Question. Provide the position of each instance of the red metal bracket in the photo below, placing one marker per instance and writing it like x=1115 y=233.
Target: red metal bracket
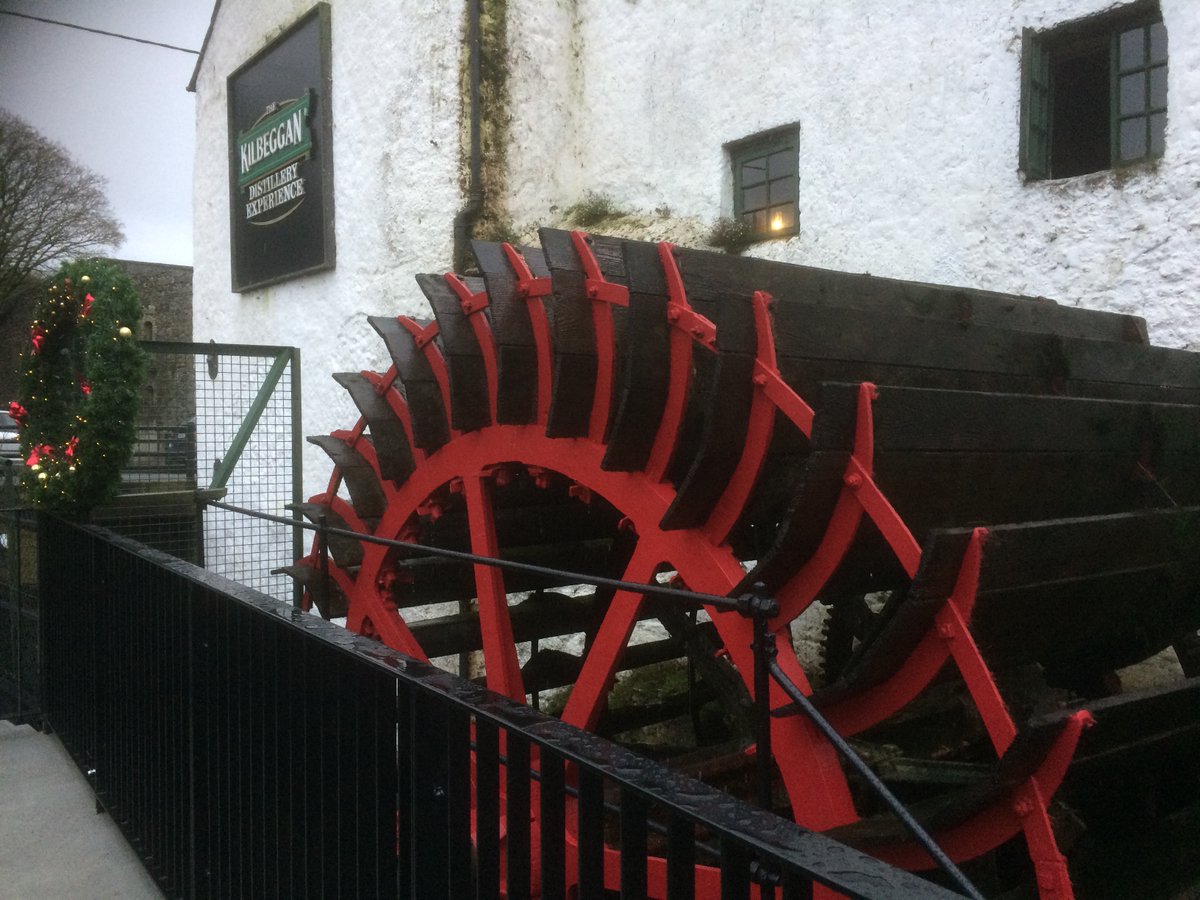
x=680 y=371
x=1026 y=808
x=860 y=495
x=499 y=646
x=527 y=286
x=422 y=334
x=759 y=428
x=948 y=637
x=860 y=481
x=423 y=338
x=534 y=290
x=1023 y=810
x=472 y=304
x=593 y=279
x=383 y=386
x=766 y=369
x=605 y=295
x=799 y=591
x=470 y=301
x=679 y=311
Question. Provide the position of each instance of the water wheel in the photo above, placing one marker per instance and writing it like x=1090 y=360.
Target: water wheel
x=994 y=496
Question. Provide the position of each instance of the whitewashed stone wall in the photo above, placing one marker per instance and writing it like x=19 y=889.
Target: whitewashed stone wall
x=396 y=112
x=908 y=115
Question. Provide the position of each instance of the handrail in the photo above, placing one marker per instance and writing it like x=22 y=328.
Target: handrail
x=753 y=843
x=733 y=604
x=922 y=837
x=756 y=605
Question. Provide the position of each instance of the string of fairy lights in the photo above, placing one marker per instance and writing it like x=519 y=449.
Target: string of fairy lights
x=82 y=373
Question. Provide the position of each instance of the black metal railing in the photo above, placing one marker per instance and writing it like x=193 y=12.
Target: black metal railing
x=248 y=749
x=20 y=651
x=755 y=604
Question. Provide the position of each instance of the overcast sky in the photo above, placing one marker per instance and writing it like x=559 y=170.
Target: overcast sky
x=120 y=108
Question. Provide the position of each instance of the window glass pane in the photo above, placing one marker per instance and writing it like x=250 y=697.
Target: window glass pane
x=1133 y=138
x=781 y=163
x=783 y=190
x=1158 y=133
x=783 y=217
x=754 y=197
x=1158 y=87
x=1133 y=93
x=1133 y=49
x=757 y=221
x=754 y=171
x=1158 y=42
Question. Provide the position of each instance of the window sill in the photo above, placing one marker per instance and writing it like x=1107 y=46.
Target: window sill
x=1118 y=175
x=774 y=236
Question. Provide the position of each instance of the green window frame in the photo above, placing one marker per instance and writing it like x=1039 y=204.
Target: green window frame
x=766 y=183
x=1094 y=94
x=1140 y=87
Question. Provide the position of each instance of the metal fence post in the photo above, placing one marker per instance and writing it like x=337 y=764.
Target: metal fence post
x=297 y=469
x=761 y=609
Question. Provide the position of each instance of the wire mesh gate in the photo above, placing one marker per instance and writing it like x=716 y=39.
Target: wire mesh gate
x=217 y=421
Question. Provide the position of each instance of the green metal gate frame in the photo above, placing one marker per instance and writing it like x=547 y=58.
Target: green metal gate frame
x=282 y=357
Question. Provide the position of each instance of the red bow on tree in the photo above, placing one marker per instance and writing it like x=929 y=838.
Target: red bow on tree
x=88 y=300
x=71 y=445
x=85 y=387
x=37 y=454
x=39 y=335
x=18 y=413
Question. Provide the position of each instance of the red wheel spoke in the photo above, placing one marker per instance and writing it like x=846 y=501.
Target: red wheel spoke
x=604 y=295
x=499 y=648
x=587 y=697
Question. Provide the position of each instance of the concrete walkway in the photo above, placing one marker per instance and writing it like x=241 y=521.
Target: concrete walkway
x=53 y=844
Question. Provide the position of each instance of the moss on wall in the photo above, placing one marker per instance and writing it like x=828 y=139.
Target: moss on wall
x=495 y=120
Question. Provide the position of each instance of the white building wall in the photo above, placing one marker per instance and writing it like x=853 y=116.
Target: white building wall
x=396 y=111
x=908 y=115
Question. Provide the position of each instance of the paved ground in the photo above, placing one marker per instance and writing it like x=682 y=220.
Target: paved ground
x=53 y=844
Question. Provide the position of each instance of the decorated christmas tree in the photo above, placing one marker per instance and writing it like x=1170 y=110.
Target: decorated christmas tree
x=82 y=375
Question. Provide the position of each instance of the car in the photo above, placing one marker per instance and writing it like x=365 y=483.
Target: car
x=10 y=436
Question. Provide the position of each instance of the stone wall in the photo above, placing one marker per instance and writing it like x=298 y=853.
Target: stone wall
x=169 y=397
x=166 y=293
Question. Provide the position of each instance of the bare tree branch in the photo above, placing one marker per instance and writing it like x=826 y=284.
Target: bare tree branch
x=51 y=208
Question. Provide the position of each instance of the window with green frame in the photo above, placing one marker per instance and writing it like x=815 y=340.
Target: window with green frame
x=1094 y=93
x=766 y=182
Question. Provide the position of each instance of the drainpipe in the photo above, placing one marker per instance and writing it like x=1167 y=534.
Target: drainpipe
x=464 y=221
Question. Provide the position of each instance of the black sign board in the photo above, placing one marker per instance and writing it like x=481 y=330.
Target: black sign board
x=281 y=157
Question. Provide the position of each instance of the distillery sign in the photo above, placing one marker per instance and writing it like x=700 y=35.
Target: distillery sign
x=269 y=157
x=281 y=158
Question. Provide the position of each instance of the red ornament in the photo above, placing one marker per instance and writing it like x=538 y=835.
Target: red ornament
x=39 y=336
x=85 y=387
x=18 y=413
x=88 y=300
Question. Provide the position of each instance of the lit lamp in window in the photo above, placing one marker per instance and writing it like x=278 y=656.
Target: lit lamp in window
x=766 y=182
